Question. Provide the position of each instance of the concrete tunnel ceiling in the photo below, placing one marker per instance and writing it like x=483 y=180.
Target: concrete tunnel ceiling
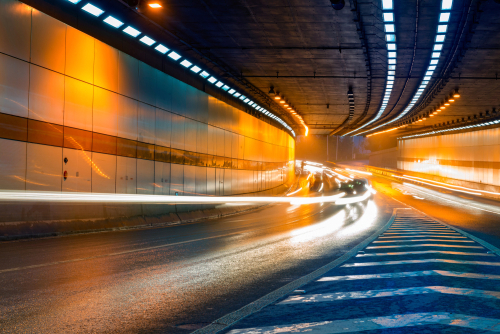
x=313 y=54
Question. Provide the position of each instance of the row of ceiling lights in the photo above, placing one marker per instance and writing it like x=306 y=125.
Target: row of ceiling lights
x=279 y=98
x=442 y=28
x=472 y=126
x=422 y=118
x=131 y=31
x=390 y=38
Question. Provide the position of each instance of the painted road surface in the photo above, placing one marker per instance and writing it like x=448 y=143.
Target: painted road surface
x=419 y=276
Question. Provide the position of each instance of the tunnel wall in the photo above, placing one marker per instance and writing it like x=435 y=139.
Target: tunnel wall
x=123 y=126
x=471 y=156
x=384 y=158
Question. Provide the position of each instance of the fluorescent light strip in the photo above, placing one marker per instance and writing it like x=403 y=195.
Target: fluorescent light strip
x=174 y=55
x=132 y=31
x=161 y=48
x=186 y=63
x=147 y=40
x=113 y=22
x=195 y=69
x=89 y=8
x=434 y=61
x=390 y=37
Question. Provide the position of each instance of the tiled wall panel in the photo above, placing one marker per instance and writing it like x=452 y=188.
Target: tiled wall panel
x=78 y=98
x=79 y=170
x=163 y=127
x=177 y=137
x=103 y=173
x=176 y=179
x=79 y=55
x=46 y=96
x=145 y=176
x=128 y=75
x=211 y=181
x=14 y=85
x=201 y=180
x=105 y=66
x=48 y=42
x=15 y=29
x=162 y=178
x=126 y=172
x=12 y=164
x=189 y=180
x=105 y=111
x=146 y=115
x=126 y=119
x=43 y=167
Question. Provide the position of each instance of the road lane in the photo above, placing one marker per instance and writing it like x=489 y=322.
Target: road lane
x=173 y=279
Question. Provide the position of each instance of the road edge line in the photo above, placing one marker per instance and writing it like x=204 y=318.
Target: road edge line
x=255 y=306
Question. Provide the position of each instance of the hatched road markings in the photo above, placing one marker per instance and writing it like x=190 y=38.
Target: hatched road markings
x=426 y=278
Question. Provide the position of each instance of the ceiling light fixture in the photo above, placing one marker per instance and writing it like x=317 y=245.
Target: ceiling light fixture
x=441 y=29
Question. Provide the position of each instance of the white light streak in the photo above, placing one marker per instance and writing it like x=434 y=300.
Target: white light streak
x=435 y=185
x=66 y=197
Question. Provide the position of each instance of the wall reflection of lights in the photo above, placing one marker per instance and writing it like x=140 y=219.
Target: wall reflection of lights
x=296 y=191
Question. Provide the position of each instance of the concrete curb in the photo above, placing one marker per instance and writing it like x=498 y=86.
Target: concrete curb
x=231 y=318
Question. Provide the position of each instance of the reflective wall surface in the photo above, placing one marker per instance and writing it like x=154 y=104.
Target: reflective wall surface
x=79 y=115
x=472 y=156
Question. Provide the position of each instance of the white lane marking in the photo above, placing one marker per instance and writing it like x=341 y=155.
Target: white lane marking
x=424 y=236
x=420 y=240
x=346 y=295
x=423 y=245
x=392 y=321
x=419 y=229
x=389 y=263
x=424 y=252
x=410 y=274
x=412 y=233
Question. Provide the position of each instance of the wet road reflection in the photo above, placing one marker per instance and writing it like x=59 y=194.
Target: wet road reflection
x=173 y=279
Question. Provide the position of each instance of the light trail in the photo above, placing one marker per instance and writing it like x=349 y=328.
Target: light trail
x=452 y=185
x=58 y=197
x=448 y=200
x=358 y=171
x=435 y=185
x=296 y=191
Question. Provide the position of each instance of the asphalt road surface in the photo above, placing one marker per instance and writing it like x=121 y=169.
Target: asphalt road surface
x=177 y=279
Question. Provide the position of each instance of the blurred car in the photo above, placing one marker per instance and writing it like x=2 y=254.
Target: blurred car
x=355 y=187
